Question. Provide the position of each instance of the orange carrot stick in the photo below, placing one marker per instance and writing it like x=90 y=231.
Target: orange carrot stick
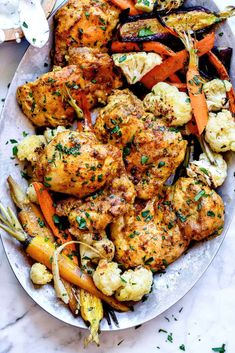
x=175 y=63
x=48 y=210
x=180 y=86
x=126 y=4
x=223 y=74
x=174 y=78
x=156 y=47
x=195 y=86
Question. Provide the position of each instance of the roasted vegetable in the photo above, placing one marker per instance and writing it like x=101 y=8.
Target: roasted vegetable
x=43 y=251
x=145 y=5
x=168 y=5
x=92 y=313
x=149 y=27
x=175 y=63
x=34 y=224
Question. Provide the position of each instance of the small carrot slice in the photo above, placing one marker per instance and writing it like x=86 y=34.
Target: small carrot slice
x=48 y=210
x=175 y=63
x=223 y=74
x=126 y=4
x=156 y=47
x=174 y=78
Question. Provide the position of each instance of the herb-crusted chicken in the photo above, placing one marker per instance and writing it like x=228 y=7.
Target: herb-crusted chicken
x=151 y=151
x=150 y=237
x=85 y=23
x=44 y=101
x=199 y=209
x=77 y=163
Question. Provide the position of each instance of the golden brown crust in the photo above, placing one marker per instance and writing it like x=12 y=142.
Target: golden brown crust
x=84 y=23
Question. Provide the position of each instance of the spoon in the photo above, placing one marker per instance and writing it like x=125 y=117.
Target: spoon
x=33 y=22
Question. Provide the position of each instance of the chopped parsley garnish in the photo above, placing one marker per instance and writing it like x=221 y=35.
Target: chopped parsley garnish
x=199 y=195
x=144 y=159
x=219 y=349
x=75 y=150
x=24 y=24
x=210 y=214
x=161 y=164
x=170 y=338
x=126 y=151
x=148 y=261
x=145 y=31
x=204 y=170
x=181 y=217
x=15 y=150
x=81 y=222
x=56 y=219
x=182 y=347
x=41 y=223
x=122 y=58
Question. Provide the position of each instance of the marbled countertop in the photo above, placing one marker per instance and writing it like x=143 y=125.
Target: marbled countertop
x=203 y=319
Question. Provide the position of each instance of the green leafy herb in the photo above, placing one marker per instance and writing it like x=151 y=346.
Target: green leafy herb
x=148 y=261
x=161 y=164
x=199 y=195
x=122 y=58
x=170 y=338
x=144 y=159
x=56 y=219
x=145 y=31
x=219 y=349
x=81 y=222
x=41 y=223
x=182 y=347
x=181 y=217
x=15 y=150
x=210 y=214
x=204 y=170
x=24 y=24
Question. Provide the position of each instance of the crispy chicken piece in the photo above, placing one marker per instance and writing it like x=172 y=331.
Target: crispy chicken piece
x=199 y=209
x=151 y=151
x=150 y=237
x=77 y=163
x=84 y=23
x=43 y=101
x=93 y=214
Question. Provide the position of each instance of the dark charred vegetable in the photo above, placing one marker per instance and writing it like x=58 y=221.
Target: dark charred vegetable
x=151 y=27
x=225 y=55
x=207 y=69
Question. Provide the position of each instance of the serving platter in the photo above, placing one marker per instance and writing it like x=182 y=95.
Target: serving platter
x=180 y=276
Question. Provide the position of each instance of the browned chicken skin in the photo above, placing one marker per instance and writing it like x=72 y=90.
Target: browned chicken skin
x=150 y=237
x=76 y=163
x=100 y=209
x=199 y=209
x=84 y=23
x=151 y=151
x=44 y=101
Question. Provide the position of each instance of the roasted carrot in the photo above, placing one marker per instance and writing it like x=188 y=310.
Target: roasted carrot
x=175 y=63
x=223 y=74
x=174 y=78
x=126 y=4
x=195 y=85
x=180 y=86
x=42 y=250
x=156 y=47
x=48 y=210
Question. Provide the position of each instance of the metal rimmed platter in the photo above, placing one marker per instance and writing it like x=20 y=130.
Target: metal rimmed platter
x=168 y=288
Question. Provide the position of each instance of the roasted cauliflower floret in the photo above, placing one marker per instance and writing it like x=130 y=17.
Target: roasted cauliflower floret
x=145 y=5
x=167 y=102
x=135 y=65
x=215 y=92
x=107 y=277
x=30 y=148
x=49 y=134
x=39 y=274
x=220 y=131
x=212 y=175
x=31 y=193
x=199 y=209
x=135 y=284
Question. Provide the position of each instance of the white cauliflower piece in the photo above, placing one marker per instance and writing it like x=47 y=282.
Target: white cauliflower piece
x=212 y=175
x=29 y=148
x=135 y=65
x=145 y=5
x=215 y=92
x=31 y=193
x=107 y=277
x=49 y=134
x=167 y=102
x=135 y=284
x=39 y=274
x=105 y=247
x=220 y=131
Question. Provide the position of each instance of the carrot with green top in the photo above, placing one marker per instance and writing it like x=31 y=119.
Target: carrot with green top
x=42 y=250
x=195 y=85
x=177 y=62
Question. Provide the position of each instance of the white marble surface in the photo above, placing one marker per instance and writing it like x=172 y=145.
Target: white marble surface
x=207 y=319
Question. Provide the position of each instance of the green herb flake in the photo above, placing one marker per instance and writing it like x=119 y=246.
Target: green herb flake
x=41 y=223
x=144 y=159
x=81 y=222
x=87 y=14
x=181 y=217
x=145 y=31
x=170 y=338
x=122 y=58
x=204 y=170
x=219 y=349
x=24 y=24
x=182 y=347
x=199 y=195
x=15 y=150
x=56 y=219
x=210 y=214
x=161 y=164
